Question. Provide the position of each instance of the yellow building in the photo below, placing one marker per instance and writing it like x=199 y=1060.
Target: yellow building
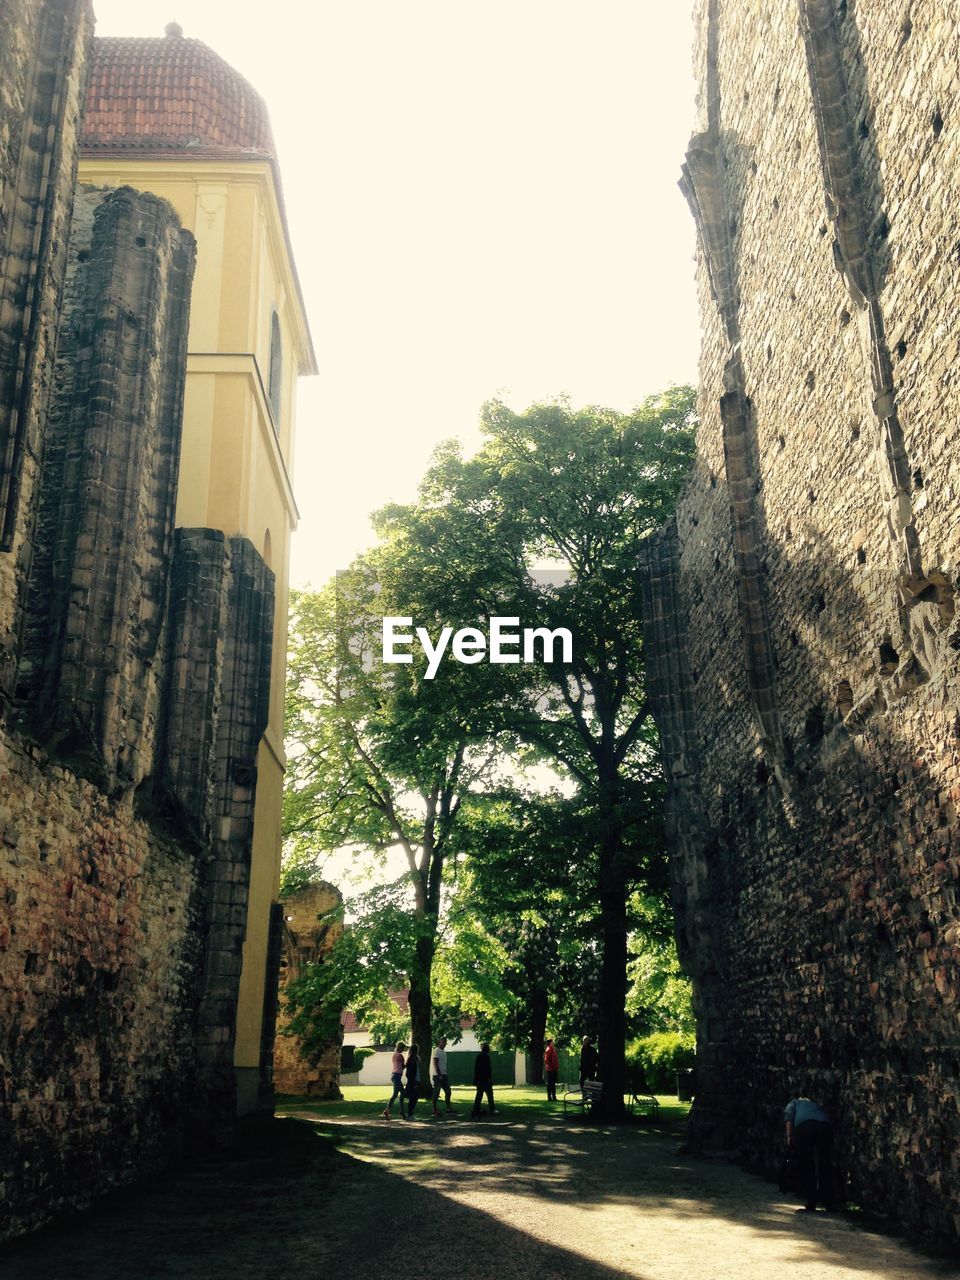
x=168 y=115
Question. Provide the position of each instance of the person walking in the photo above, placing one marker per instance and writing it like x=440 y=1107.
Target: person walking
x=810 y=1134
x=588 y=1061
x=440 y=1078
x=412 y=1068
x=396 y=1080
x=483 y=1081
x=551 y=1066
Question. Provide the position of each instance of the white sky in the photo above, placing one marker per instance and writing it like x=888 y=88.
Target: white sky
x=482 y=201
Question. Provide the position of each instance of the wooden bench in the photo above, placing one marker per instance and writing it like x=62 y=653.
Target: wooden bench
x=585 y=1097
x=642 y=1103
x=638 y=1100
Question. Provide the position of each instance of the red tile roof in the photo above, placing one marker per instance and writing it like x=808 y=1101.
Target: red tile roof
x=162 y=96
x=171 y=94
x=401 y=999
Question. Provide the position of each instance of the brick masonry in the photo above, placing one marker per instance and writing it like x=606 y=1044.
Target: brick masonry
x=306 y=939
x=801 y=607
x=134 y=665
x=42 y=76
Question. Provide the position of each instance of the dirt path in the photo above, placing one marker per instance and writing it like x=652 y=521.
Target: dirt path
x=488 y=1201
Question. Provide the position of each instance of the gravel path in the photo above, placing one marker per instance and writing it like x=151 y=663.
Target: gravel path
x=491 y=1200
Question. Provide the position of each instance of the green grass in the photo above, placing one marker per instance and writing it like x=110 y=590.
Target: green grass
x=519 y=1102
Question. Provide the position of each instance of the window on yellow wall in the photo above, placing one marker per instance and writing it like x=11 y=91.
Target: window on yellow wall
x=276 y=369
x=268 y=550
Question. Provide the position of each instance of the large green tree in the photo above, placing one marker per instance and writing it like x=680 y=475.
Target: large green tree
x=379 y=761
x=529 y=883
x=545 y=524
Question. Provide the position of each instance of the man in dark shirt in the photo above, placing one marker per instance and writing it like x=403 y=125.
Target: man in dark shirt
x=588 y=1061
x=483 y=1081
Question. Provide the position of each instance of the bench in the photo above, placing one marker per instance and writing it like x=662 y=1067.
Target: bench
x=638 y=1099
x=585 y=1097
x=642 y=1103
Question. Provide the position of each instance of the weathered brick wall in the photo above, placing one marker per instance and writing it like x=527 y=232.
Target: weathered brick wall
x=42 y=76
x=90 y=664
x=305 y=941
x=135 y=669
x=99 y=950
x=801 y=612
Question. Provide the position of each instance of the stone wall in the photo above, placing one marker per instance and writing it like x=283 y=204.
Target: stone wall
x=307 y=937
x=800 y=610
x=99 y=947
x=42 y=75
x=135 y=669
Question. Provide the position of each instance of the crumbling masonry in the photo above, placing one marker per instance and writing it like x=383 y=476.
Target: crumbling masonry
x=805 y=651
x=308 y=935
x=134 y=662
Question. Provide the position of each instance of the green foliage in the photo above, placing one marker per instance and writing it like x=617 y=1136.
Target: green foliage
x=314 y=999
x=659 y=997
x=300 y=870
x=365 y=964
x=381 y=759
x=660 y=1056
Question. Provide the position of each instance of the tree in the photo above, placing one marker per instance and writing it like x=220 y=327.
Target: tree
x=528 y=880
x=379 y=760
x=659 y=997
x=578 y=490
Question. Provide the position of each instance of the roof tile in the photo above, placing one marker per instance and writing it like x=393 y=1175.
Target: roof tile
x=171 y=94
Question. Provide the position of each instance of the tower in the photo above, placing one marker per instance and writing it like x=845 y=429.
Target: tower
x=169 y=116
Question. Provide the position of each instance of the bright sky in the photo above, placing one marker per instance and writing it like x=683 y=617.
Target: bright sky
x=482 y=201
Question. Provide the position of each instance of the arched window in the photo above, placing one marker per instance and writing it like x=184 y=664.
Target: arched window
x=268 y=549
x=276 y=368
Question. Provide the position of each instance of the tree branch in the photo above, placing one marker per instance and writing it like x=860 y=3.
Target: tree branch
x=630 y=734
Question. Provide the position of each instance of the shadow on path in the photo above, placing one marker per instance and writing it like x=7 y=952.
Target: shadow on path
x=479 y=1201
x=289 y=1204
x=630 y=1192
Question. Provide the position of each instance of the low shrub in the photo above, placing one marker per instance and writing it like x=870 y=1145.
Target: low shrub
x=659 y=1057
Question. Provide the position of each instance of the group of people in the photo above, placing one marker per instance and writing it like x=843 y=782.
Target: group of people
x=406 y=1080
x=407 y=1091
x=405 y=1077
x=809 y=1129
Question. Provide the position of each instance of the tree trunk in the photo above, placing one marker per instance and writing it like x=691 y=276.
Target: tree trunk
x=421 y=1007
x=538 y=1030
x=613 y=998
x=613 y=973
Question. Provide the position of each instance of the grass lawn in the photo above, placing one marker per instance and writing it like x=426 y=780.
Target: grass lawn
x=514 y=1102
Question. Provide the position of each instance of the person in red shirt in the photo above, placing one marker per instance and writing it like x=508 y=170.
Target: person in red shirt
x=551 y=1065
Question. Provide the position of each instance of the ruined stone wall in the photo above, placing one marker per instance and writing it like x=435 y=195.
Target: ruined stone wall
x=136 y=665
x=801 y=609
x=43 y=58
x=99 y=946
x=306 y=939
